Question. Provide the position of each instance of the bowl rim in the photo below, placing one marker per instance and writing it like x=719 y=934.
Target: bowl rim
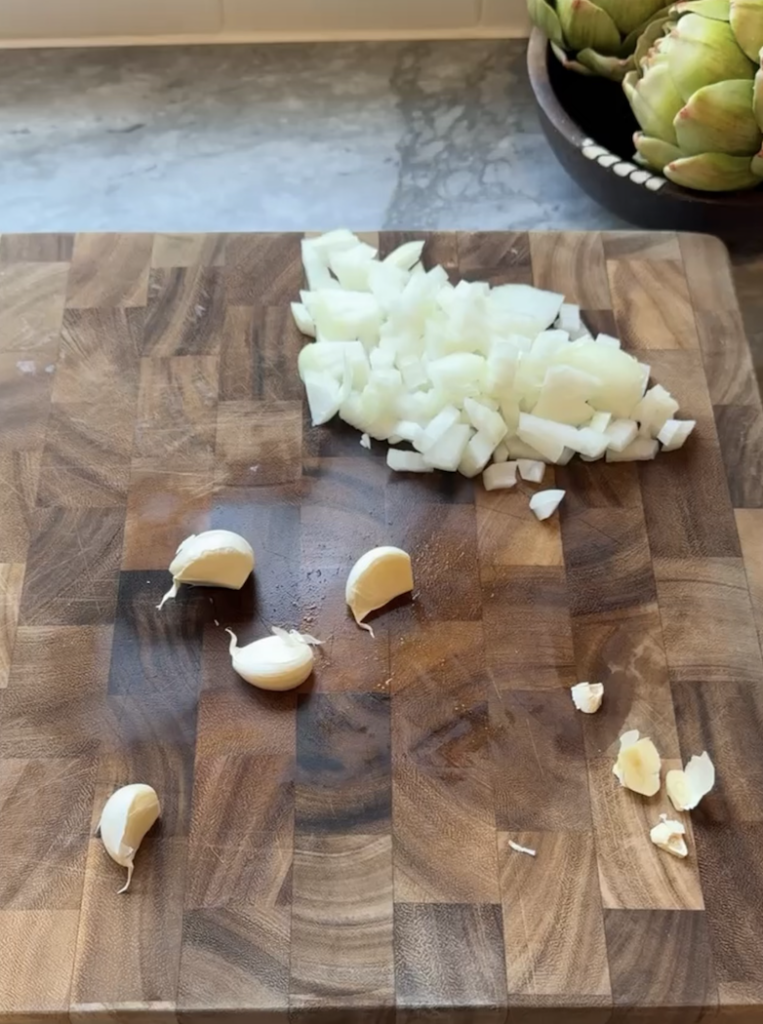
x=538 y=55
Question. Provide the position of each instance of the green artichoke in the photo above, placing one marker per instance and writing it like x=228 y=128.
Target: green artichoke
x=595 y=36
x=697 y=97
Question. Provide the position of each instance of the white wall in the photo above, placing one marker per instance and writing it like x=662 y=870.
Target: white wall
x=32 y=22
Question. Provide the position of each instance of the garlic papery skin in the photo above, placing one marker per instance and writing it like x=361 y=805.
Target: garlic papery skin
x=377 y=577
x=279 y=662
x=686 y=788
x=215 y=558
x=587 y=697
x=126 y=818
x=638 y=764
x=669 y=836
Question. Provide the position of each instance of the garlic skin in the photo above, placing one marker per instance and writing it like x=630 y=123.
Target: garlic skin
x=377 y=577
x=686 y=788
x=279 y=662
x=587 y=697
x=215 y=558
x=669 y=836
x=638 y=764
x=126 y=817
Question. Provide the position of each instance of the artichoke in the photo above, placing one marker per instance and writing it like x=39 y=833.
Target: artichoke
x=697 y=93
x=595 y=36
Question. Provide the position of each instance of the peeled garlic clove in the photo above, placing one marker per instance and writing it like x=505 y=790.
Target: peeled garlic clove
x=587 y=697
x=215 y=558
x=686 y=788
x=126 y=817
x=278 y=662
x=669 y=836
x=378 y=577
x=638 y=764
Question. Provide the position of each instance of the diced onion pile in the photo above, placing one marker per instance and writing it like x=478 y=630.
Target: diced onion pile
x=467 y=374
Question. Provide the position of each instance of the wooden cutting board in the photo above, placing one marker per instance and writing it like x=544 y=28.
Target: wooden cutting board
x=343 y=852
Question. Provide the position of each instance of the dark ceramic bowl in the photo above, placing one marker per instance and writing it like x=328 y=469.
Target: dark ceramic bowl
x=589 y=125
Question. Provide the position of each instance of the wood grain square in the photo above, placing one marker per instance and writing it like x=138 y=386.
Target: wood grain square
x=708 y=272
x=240 y=327
x=342 y=511
x=109 y=270
x=633 y=873
x=37 y=955
x=652 y=305
x=682 y=519
x=26 y=380
x=19 y=473
x=72 y=567
x=86 y=459
x=447 y=658
x=672 y=948
x=259 y=443
x=526 y=618
x=277 y=344
x=262 y=269
x=703 y=604
x=508 y=531
x=729 y=369
x=100 y=356
x=44 y=852
x=430 y=939
x=539 y=768
x=162 y=510
x=235 y=959
x=598 y=485
x=444 y=832
x=607 y=558
x=254 y=875
x=577 y=268
x=157 y=653
x=342 y=922
x=44 y=247
x=750 y=526
x=654 y=246
x=499 y=259
x=343 y=763
x=543 y=900
x=111 y=968
x=238 y=719
x=185 y=312
x=188 y=250
x=31 y=305
x=740 y=432
x=726 y=719
x=177 y=414
x=11 y=583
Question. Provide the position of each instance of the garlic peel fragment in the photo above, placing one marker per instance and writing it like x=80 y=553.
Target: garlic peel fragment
x=587 y=697
x=278 y=662
x=686 y=788
x=215 y=558
x=127 y=816
x=522 y=849
x=638 y=764
x=669 y=835
x=377 y=577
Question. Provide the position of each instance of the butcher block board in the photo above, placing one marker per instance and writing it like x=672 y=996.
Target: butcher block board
x=343 y=853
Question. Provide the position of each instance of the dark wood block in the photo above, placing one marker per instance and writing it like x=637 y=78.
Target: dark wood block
x=109 y=271
x=598 y=485
x=100 y=356
x=26 y=380
x=499 y=259
x=11 y=583
x=507 y=528
x=727 y=359
x=259 y=443
x=342 y=511
x=266 y=269
x=163 y=508
x=185 y=312
x=19 y=471
x=652 y=305
x=188 y=250
x=577 y=269
x=750 y=526
x=740 y=432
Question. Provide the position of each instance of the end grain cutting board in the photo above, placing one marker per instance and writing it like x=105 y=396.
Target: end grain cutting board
x=343 y=852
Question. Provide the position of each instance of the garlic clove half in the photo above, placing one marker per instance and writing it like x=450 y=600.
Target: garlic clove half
x=669 y=836
x=279 y=662
x=638 y=764
x=587 y=697
x=126 y=817
x=686 y=788
x=378 y=577
x=215 y=558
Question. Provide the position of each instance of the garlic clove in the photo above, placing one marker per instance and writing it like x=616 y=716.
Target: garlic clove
x=587 y=697
x=278 y=662
x=669 y=836
x=638 y=764
x=686 y=788
x=378 y=577
x=215 y=558
x=127 y=816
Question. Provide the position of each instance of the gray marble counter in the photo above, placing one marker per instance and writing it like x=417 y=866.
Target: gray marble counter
x=416 y=135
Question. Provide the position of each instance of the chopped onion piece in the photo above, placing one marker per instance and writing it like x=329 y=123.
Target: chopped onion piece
x=531 y=470
x=477 y=454
x=500 y=475
x=501 y=453
x=324 y=396
x=569 y=318
x=607 y=341
x=640 y=450
x=519 y=450
x=621 y=433
x=545 y=503
x=302 y=319
x=407 y=462
x=365 y=441
x=600 y=421
x=406 y=256
x=654 y=410
x=674 y=434
x=449 y=449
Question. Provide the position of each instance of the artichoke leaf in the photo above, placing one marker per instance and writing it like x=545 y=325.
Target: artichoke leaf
x=747 y=23
x=587 y=26
x=544 y=17
x=655 y=153
x=569 y=62
x=719 y=119
x=713 y=172
x=607 y=67
x=702 y=52
x=629 y=15
x=717 y=10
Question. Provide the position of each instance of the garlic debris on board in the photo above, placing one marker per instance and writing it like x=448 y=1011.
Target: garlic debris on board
x=686 y=788
x=587 y=697
x=278 y=662
x=669 y=836
x=545 y=503
x=378 y=577
x=215 y=558
x=638 y=764
x=126 y=818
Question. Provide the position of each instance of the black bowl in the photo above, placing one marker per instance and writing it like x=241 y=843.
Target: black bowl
x=589 y=125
